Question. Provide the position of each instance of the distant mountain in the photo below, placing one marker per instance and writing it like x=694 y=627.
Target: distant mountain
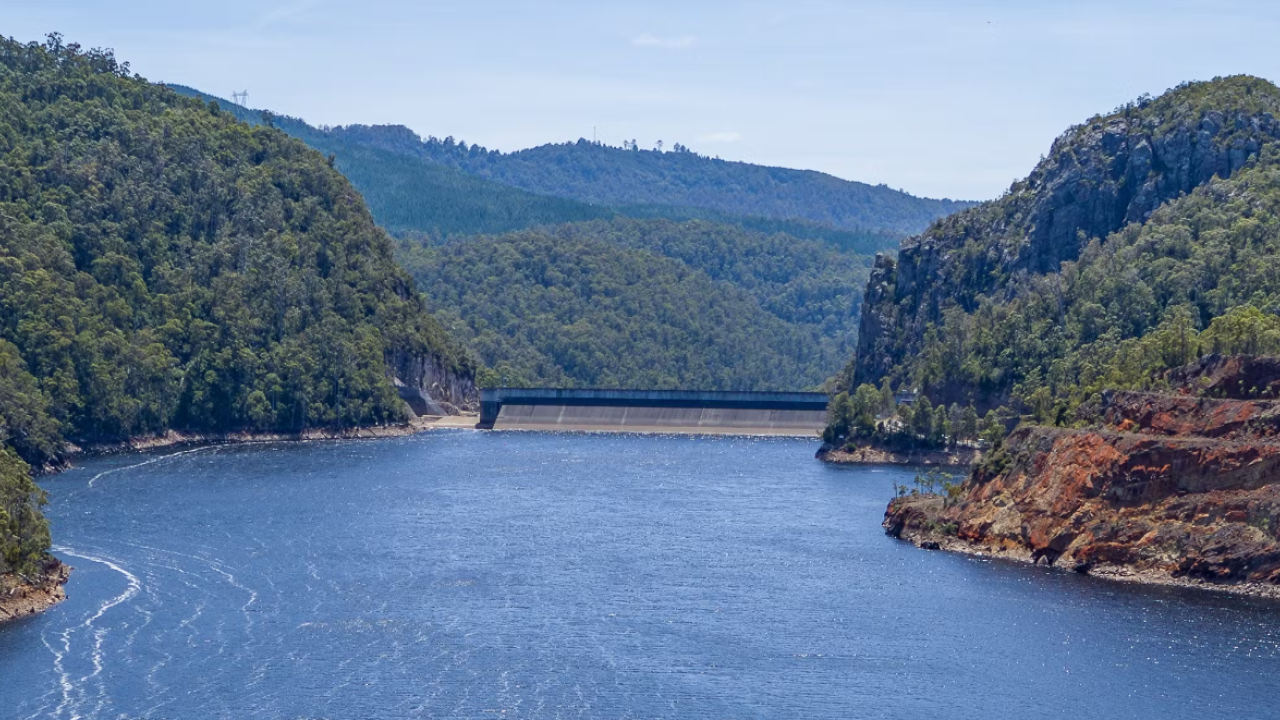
x=1146 y=237
x=647 y=303
x=442 y=188
x=600 y=174
x=411 y=195
x=730 y=224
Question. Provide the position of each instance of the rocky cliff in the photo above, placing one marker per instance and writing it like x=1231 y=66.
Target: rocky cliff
x=432 y=385
x=1099 y=177
x=21 y=596
x=1174 y=487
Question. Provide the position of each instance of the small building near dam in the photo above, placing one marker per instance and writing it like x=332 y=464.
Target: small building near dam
x=801 y=414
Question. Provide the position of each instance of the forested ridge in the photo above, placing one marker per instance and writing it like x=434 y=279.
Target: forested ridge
x=596 y=173
x=407 y=194
x=795 y=281
x=1147 y=238
x=423 y=187
x=646 y=303
x=163 y=265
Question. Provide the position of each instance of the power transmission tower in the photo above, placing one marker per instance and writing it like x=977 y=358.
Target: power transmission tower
x=240 y=98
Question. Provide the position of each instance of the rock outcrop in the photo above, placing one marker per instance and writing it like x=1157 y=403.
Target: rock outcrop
x=874 y=455
x=1166 y=488
x=20 y=596
x=431 y=386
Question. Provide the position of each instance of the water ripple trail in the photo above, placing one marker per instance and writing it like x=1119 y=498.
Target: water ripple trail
x=70 y=705
x=104 y=473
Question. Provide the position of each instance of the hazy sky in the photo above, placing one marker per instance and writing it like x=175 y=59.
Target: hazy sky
x=951 y=99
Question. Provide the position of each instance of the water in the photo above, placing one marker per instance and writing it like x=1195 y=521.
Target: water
x=525 y=575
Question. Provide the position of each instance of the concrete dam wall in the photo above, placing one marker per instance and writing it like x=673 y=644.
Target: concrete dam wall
x=794 y=414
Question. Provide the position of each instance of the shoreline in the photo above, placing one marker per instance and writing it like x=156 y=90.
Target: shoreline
x=932 y=540
x=958 y=457
x=20 y=598
x=174 y=438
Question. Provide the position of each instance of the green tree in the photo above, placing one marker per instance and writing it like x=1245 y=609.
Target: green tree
x=992 y=429
x=840 y=418
x=24 y=532
x=866 y=403
x=922 y=417
x=888 y=402
x=940 y=430
x=968 y=423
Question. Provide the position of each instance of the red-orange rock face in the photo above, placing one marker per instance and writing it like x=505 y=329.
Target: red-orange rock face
x=1168 y=485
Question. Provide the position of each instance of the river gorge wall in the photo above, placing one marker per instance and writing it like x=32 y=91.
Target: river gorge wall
x=1166 y=487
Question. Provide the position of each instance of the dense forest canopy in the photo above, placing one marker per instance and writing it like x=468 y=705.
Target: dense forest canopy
x=163 y=265
x=647 y=303
x=1146 y=238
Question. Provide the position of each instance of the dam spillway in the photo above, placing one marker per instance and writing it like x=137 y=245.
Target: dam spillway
x=674 y=411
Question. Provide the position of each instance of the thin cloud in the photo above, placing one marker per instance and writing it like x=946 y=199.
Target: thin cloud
x=282 y=14
x=668 y=43
x=721 y=137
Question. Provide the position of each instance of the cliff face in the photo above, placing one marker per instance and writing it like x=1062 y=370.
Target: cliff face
x=1098 y=177
x=431 y=386
x=1166 y=487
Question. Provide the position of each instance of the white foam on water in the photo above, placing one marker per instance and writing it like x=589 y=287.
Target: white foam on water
x=216 y=566
x=150 y=461
x=73 y=690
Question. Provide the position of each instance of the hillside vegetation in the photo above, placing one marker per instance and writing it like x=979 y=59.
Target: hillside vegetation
x=795 y=281
x=424 y=188
x=407 y=194
x=163 y=265
x=600 y=174
x=652 y=304
x=1146 y=238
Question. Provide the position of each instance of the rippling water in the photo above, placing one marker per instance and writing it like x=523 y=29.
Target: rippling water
x=525 y=575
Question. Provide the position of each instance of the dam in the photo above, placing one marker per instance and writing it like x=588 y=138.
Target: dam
x=801 y=414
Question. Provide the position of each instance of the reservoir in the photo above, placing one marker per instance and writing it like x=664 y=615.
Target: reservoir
x=460 y=574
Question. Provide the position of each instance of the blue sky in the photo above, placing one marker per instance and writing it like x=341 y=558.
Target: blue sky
x=953 y=99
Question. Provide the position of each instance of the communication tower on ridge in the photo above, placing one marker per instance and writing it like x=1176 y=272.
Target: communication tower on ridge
x=240 y=98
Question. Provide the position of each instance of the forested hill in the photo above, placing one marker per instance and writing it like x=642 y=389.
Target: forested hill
x=604 y=175
x=408 y=194
x=414 y=186
x=669 y=277
x=1146 y=237
x=647 y=303
x=163 y=265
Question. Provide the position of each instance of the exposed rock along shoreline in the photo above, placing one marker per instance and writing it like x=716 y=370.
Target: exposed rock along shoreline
x=1177 y=488
x=871 y=455
x=174 y=438
x=914 y=519
x=20 y=598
